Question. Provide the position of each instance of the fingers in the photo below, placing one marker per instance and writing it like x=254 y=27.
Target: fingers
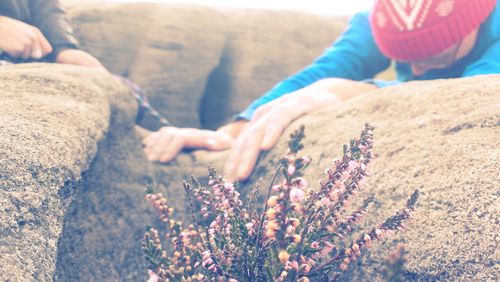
x=36 y=51
x=32 y=45
x=273 y=132
x=207 y=139
x=262 y=133
x=277 y=122
x=26 y=54
x=150 y=143
x=265 y=109
x=163 y=145
x=234 y=128
x=245 y=153
x=21 y=40
x=170 y=148
x=43 y=44
x=166 y=143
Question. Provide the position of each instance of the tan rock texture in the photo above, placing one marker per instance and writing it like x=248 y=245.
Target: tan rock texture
x=440 y=137
x=51 y=119
x=217 y=60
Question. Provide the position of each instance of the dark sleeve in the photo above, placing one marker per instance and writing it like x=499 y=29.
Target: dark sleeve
x=50 y=18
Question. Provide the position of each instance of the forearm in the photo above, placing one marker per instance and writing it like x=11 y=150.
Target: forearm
x=354 y=56
x=343 y=89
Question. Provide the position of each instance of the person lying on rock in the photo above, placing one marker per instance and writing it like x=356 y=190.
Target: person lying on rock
x=427 y=39
x=37 y=30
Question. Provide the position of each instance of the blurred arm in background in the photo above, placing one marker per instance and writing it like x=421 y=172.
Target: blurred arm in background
x=39 y=29
x=51 y=19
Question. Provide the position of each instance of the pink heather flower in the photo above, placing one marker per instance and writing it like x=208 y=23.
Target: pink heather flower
x=271 y=228
x=205 y=255
x=297 y=208
x=292 y=265
x=389 y=233
x=296 y=195
x=306 y=160
x=226 y=204
x=325 y=201
x=283 y=256
x=214 y=223
x=334 y=196
x=325 y=251
x=339 y=185
x=303 y=184
x=306 y=267
x=315 y=245
x=232 y=280
x=207 y=262
x=345 y=175
x=272 y=201
x=270 y=233
x=296 y=238
x=351 y=165
x=153 y=277
x=291 y=170
x=212 y=268
x=249 y=226
x=294 y=222
x=271 y=213
x=229 y=186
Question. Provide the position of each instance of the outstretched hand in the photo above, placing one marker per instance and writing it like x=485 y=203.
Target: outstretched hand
x=21 y=40
x=164 y=144
x=272 y=119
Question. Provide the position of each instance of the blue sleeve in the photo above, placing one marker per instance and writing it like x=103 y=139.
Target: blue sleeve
x=489 y=63
x=354 y=55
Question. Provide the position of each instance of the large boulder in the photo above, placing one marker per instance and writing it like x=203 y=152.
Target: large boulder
x=440 y=137
x=169 y=50
x=51 y=120
x=444 y=145
x=217 y=60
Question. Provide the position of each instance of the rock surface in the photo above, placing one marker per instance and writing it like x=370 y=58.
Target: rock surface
x=217 y=60
x=51 y=120
x=439 y=137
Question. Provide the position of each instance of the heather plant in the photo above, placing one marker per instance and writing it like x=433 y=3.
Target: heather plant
x=301 y=233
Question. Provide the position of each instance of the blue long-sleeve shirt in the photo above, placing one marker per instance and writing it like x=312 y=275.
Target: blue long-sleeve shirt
x=356 y=56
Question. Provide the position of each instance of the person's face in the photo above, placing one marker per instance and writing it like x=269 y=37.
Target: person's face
x=447 y=58
x=441 y=61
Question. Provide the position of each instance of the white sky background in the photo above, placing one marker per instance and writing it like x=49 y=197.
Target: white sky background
x=328 y=7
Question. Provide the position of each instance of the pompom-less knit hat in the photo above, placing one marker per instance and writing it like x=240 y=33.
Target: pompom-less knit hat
x=410 y=30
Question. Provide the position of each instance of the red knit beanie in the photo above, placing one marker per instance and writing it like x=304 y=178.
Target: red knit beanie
x=409 y=30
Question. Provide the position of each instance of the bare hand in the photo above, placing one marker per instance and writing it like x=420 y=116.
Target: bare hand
x=166 y=143
x=234 y=128
x=78 y=57
x=271 y=120
x=21 y=40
